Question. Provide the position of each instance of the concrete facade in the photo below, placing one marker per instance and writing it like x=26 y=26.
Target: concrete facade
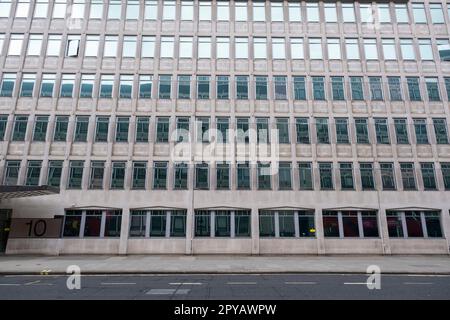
x=295 y=199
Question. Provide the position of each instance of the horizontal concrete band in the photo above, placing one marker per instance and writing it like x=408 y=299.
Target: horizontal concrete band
x=225 y=246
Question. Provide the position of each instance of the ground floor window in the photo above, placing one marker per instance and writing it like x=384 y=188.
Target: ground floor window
x=286 y=223
x=92 y=223
x=158 y=223
x=350 y=224
x=222 y=223
x=414 y=224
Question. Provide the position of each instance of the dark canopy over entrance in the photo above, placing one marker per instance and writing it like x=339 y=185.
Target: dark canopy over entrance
x=9 y=192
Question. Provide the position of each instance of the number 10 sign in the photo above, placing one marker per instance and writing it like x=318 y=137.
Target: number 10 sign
x=35 y=228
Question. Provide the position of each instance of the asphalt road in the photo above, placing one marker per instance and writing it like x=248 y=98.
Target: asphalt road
x=225 y=287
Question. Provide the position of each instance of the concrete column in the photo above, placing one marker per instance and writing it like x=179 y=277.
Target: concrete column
x=124 y=231
x=232 y=224
x=424 y=226
x=319 y=231
x=277 y=224
x=168 y=217
x=341 y=225
x=255 y=230
x=212 y=224
x=384 y=233
x=445 y=222
x=189 y=229
x=103 y=224
x=296 y=225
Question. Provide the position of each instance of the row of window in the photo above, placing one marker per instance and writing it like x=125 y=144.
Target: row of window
x=245 y=131
x=313 y=48
x=226 y=11
x=320 y=88
x=237 y=224
x=266 y=175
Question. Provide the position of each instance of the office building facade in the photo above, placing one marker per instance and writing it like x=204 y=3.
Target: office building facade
x=226 y=127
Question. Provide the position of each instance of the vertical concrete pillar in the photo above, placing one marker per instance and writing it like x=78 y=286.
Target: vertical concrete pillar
x=255 y=230
x=445 y=216
x=124 y=230
x=319 y=231
x=189 y=229
x=384 y=233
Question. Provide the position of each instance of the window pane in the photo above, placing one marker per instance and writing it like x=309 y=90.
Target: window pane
x=75 y=174
x=178 y=224
x=306 y=224
x=242 y=224
x=160 y=175
x=118 y=175
x=387 y=176
x=286 y=224
x=138 y=224
x=33 y=173
x=326 y=176
x=93 y=223
x=433 y=224
x=413 y=224
x=8 y=83
x=72 y=223
x=158 y=224
x=330 y=224
x=243 y=176
x=318 y=88
x=201 y=176
x=370 y=224
x=305 y=173
x=40 y=128
x=350 y=224
x=266 y=225
x=202 y=224
x=222 y=224
x=408 y=176
x=395 y=225
x=401 y=131
x=284 y=176
x=139 y=175
x=367 y=179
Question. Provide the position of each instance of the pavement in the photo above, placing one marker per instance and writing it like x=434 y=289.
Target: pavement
x=224 y=264
x=279 y=287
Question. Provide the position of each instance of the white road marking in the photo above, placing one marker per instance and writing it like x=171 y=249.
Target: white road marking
x=299 y=282
x=32 y=282
x=182 y=291
x=237 y=283
x=10 y=284
x=161 y=291
x=168 y=291
x=185 y=283
x=365 y=283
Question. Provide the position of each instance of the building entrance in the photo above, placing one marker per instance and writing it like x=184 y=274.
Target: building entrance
x=5 y=223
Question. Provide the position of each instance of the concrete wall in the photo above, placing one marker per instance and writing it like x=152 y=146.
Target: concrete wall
x=48 y=206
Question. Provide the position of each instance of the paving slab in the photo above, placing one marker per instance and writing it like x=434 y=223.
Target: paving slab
x=179 y=264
